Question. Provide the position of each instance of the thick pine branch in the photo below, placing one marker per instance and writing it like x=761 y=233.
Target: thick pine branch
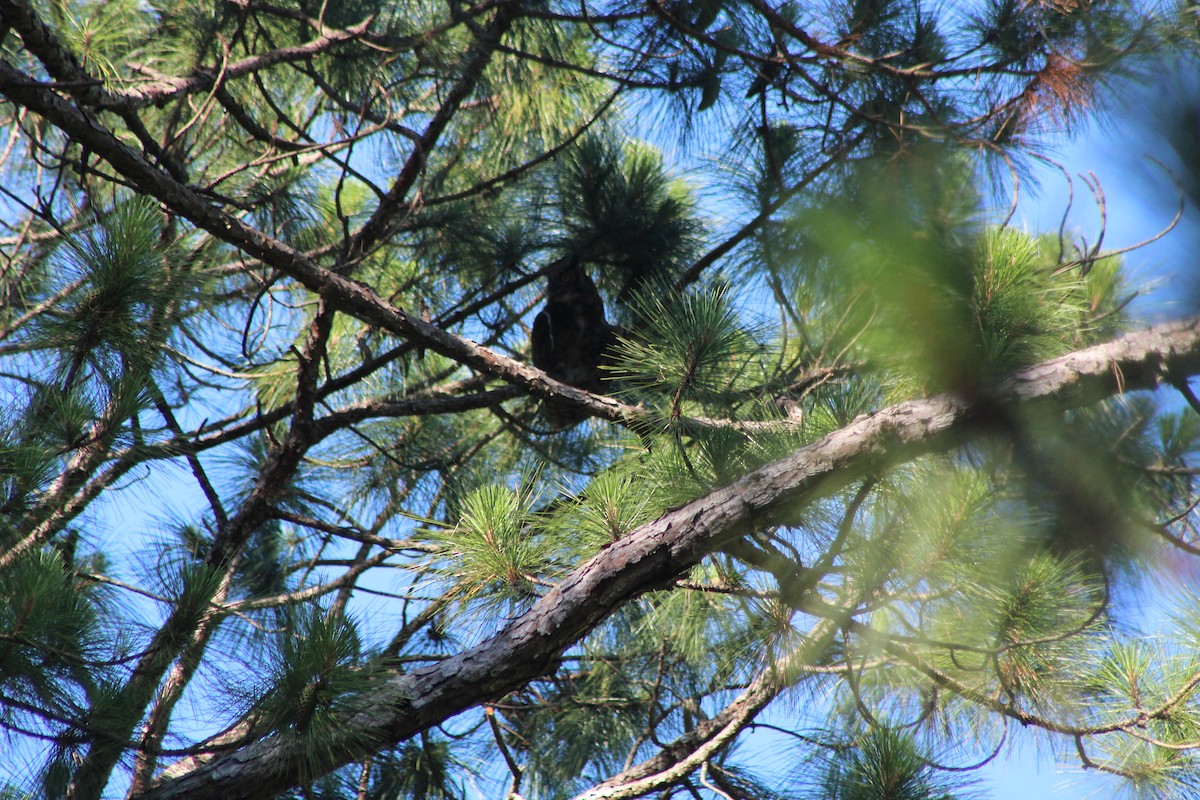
x=653 y=555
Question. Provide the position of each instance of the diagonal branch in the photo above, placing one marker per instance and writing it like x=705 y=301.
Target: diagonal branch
x=41 y=40
x=342 y=293
x=375 y=230
x=695 y=747
x=654 y=554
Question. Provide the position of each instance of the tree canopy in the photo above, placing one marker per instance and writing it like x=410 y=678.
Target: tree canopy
x=546 y=399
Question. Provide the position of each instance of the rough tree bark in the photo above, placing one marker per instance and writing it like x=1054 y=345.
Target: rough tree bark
x=660 y=551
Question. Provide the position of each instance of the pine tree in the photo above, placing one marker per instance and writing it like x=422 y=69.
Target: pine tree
x=549 y=400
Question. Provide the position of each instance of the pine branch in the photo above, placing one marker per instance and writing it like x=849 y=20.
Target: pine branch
x=344 y=294
x=683 y=756
x=67 y=496
x=991 y=702
x=182 y=638
x=376 y=229
x=60 y=62
x=654 y=554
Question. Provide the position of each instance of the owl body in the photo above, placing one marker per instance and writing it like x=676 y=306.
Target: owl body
x=570 y=335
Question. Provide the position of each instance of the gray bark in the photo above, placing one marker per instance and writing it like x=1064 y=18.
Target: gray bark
x=660 y=551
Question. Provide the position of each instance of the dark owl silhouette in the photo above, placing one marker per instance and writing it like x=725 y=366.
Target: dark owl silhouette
x=766 y=73
x=570 y=336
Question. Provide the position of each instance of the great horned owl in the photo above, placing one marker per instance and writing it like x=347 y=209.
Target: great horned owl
x=570 y=336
